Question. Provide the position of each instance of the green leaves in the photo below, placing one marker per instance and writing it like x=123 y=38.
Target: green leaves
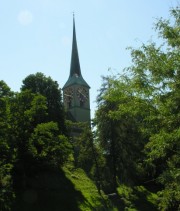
x=156 y=69
x=139 y=113
x=45 y=86
x=47 y=146
x=29 y=139
x=170 y=32
x=4 y=90
x=6 y=151
x=118 y=117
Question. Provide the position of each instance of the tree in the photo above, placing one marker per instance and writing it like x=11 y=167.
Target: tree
x=48 y=147
x=25 y=125
x=5 y=91
x=164 y=145
x=40 y=84
x=7 y=154
x=26 y=111
x=118 y=130
x=156 y=77
x=146 y=102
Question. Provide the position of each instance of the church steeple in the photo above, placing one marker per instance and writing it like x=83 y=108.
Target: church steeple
x=75 y=76
x=76 y=91
x=75 y=64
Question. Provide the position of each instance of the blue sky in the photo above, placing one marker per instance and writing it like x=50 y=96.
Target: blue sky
x=36 y=36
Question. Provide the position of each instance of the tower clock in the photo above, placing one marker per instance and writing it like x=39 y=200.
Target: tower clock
x=68 y=97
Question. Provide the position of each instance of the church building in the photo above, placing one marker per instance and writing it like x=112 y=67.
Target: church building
x=76 y=90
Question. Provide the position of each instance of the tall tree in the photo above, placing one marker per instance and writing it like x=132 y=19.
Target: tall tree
x=161 y=65
x=148 y=100
x=27 y=110
x=117 y=129
x=40 y=84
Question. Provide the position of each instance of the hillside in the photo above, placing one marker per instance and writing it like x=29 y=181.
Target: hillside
x=62 y=190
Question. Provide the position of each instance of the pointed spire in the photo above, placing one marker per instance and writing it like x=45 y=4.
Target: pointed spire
x=75 y=64
x=75 y=76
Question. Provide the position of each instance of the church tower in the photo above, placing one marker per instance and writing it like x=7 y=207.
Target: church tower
x=76 y=90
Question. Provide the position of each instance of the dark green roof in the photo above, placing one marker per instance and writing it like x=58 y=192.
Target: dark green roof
x=75 y=64
x=75 y=76
x=75 y=79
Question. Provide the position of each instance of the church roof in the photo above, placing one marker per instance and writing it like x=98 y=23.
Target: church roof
x=75 y=76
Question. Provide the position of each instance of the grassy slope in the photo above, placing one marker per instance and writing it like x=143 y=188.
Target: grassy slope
x=92 y=199
x=62 y=190
x=136 y=198
x=70 y=189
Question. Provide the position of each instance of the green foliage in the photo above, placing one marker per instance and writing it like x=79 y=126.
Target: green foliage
x=84 y=146
x=163 y=148
x=156 y=77
x=118 y=130
x=24 y=120
x=40 y=84
x=138 y=115
x=85 y=150
x=6 y=189
x=137 y=198
x=47 y=146
x=26 y=111
x=6 y=152
x=5 y=91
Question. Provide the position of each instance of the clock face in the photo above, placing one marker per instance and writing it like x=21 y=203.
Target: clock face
x=82 y=94
x=68 y=95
